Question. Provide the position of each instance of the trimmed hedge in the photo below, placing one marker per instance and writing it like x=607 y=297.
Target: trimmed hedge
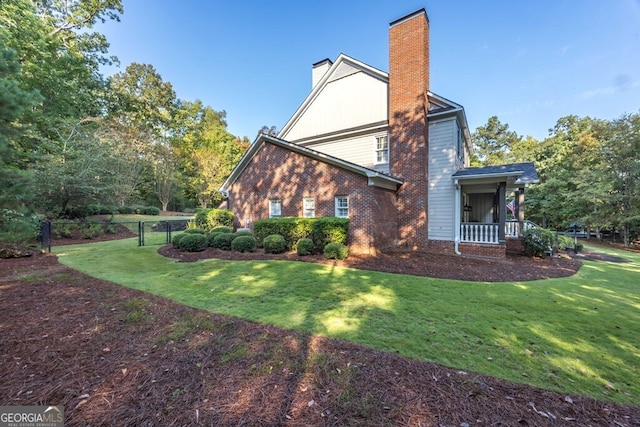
x=193 y=242
x=223 y=241
x=194 y=231
x=336 y=251
x=305 y=247
x=221 y=229
x=243 y=244
x=208 y=219
x=274 y=244
x=320 y=230
x=175 y=240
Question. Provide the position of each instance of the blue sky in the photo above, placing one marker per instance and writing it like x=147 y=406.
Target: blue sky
x=527 y=62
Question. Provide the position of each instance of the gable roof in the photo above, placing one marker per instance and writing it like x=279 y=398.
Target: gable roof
x=521 y=173
x=375 y=178
x=342 y=67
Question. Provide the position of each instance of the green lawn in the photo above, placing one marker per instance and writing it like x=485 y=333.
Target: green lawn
x=577 y=335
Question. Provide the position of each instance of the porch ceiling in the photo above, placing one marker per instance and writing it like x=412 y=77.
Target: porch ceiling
x=485 y=179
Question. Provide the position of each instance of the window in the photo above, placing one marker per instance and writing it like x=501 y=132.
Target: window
x=308 y=207
x=275 y=208
x=342 y=206
x=382 y=149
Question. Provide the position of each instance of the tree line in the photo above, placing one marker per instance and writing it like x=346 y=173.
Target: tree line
x=589 y=171
x=70 y=136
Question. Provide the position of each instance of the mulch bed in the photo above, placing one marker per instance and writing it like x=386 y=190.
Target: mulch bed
x=116 y=356
x=513 y=268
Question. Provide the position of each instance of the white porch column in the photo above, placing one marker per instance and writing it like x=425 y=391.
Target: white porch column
x=502 y=208
x=456 y=217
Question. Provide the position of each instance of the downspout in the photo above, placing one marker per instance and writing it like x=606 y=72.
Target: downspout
x=456 y=218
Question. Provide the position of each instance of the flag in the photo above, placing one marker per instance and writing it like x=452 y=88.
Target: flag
x=512 y=208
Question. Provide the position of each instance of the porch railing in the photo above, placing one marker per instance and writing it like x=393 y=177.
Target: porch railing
x=473 y=232
x=478 y=233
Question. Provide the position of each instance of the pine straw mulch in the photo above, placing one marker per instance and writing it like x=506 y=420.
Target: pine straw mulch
x=116 y=356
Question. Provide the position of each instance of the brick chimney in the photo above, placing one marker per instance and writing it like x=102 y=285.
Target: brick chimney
x=408 y=134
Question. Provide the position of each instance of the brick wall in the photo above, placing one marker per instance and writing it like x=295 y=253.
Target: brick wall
x=483 y=250
x=408 y=106
x=277 y=173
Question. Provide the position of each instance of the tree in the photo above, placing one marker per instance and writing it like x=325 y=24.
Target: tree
x=493 y=143
x=165 y=173
x=14 y=101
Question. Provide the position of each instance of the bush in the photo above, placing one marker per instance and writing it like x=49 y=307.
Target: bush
x=274 y=244
x=537 y=241
x=175 y=240
x=244 y=233
x=305 y=247
x=320 y=230
x=193 y=242
x=194 y=231
x=64 y=230
x=567 y=243
x=243 y=244
x=148 y=210
x=91 y=230
x=221 y=229
x=208 y=219
x=125 y=210
x=223 y=241
x=336 y=251
x=330 y=230
x=16 y=227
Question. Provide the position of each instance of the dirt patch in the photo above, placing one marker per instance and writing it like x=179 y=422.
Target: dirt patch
x=115 y=356
x=513 y=268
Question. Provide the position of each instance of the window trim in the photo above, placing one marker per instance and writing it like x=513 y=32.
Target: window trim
x=272 y=203
x=377 y=150
x=338 y=208
x=305 y=209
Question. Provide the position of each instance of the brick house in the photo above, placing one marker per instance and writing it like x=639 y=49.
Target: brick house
x=386 y=152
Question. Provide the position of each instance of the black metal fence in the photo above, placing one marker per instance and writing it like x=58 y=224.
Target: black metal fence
x=147 y=232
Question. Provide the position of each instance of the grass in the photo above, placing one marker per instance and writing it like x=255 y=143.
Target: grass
x=577 y=335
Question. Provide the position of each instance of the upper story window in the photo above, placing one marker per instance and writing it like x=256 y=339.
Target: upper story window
x=342 y=206
x=275 y=208
x=382 y=149
x=308 y=207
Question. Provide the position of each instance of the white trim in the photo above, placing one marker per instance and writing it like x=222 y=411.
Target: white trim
x=337 y=212
x=273 y=203
x=376 y=150
x=305 y=209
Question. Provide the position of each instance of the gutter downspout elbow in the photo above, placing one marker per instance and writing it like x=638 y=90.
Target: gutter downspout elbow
x=456 y=219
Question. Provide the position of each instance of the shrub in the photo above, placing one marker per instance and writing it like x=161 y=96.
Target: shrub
x=149 y=210
x=193 y=242
x=91 y=230
x=17 y=227
x=336 y=251
x=221 y=229
x=274 y=244
x=537 y=241
x=244 y=233
x=208 y=219
x=125 y=210
x=243 y=244
x=305 y=247
x=194 y=231
x=567 y=243
x=175 y=240
x=223 y=241
x=211 y=236
x=64 y=230
x=330 y=230
x=320 y=230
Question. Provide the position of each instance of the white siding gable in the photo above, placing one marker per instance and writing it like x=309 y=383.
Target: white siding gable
x=350 y=99
x=357 y=149
x=442 y=165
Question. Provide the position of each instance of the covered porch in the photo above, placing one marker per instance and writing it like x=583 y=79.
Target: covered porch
x=490 y=205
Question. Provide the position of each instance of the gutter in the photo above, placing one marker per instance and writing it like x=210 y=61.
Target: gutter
x=456 y=219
